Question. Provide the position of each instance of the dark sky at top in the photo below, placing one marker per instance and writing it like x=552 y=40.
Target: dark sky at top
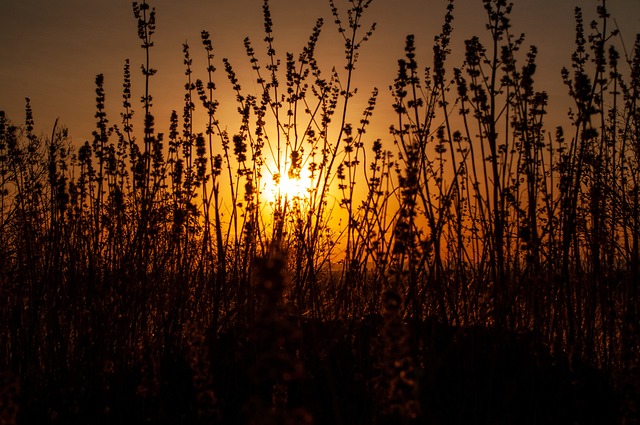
x=51 y=50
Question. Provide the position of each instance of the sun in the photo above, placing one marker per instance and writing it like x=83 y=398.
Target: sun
x=286 y=188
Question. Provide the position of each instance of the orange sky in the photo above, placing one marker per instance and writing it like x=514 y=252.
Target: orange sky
x=52 y=50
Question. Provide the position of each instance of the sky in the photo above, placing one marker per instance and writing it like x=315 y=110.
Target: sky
x=51 y=51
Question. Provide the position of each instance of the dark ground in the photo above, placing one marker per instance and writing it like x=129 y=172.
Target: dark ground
x=335 y=373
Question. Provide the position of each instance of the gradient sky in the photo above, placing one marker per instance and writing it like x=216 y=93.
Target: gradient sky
x=52 y=50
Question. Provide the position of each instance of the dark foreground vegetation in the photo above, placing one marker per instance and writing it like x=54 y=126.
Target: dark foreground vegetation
x=339 y=372
x=484 y=270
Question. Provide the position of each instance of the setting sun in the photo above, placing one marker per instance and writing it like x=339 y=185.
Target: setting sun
x=286 y=188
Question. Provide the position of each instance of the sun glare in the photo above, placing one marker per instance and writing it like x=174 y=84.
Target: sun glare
x=286 y=188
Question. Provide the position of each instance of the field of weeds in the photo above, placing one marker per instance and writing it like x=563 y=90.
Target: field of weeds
x=470 y=265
